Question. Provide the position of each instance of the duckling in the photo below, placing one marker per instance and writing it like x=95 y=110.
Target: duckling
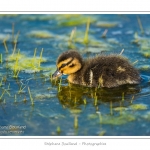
x=101 y=71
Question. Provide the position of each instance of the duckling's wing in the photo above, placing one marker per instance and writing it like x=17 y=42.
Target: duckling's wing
x=110 y=71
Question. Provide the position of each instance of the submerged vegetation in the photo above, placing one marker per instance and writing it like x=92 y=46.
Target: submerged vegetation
x=29 y=96
x=21 y=62
x=40 y=34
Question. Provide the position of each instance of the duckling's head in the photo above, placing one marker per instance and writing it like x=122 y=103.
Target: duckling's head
x=68 y=62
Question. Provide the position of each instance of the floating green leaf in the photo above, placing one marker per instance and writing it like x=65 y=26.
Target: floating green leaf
x=120 y=108
x=40 y=34
x=75 y=111
x=118 y=120
x=44 y=96
x=138 y=107
x=19 y=62
x=102 y=133
x=73 y=20
x=107 y=24
x=145 y=67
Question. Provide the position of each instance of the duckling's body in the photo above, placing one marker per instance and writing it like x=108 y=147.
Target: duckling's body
x=101 y=71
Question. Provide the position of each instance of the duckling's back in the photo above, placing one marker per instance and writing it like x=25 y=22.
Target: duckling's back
x=106 y=71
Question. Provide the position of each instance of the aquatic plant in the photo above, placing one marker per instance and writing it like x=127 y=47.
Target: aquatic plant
x=75 y=111
x=140 y=24
x=132 y=99
x=104 y=33
x=2 y=94
x=58 y=130
x=102 y=133
x=72 y=34
x=122 y=96
x=59 y=85
x=51 y=78
x=75 y=122
x=5 y=45
x=71 y=40
x=121 y=108
x=86 y=39
x=7 y=92
x=143 y=43
x=15 y=42
x=95 y=99
x=135 y=62
x=32 y=102
x=25 y=100
x=8 y=15
x=107 y=24
x=40 y=34
x=94 y=45
x=134 y=107
x=40 y=17
x=42 y=96
x=14 y=57
x=4 y=91
x=18 y=62
x=21 y=89
x=1 y=58
x=138 y=107
x=40 y=60
x=118 y=120
x=73 y=19
x=84 y=101
x=1 y=82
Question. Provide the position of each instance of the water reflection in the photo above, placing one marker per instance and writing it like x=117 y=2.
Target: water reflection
x=72 y=96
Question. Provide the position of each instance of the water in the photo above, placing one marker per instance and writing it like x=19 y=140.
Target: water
x=71 y=109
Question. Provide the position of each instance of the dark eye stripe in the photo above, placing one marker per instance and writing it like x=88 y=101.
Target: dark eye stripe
x=63 y=65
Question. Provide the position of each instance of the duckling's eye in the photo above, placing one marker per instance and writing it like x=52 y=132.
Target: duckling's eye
x=63 y=65
x=72 y=65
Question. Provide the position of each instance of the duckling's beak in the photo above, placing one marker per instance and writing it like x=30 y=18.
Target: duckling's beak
x=56 y=74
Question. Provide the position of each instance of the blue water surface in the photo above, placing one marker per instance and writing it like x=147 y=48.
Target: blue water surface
x=72 y=110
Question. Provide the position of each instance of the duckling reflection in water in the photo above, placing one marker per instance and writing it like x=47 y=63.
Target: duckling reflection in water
x=101 y=71
x=73 y=95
